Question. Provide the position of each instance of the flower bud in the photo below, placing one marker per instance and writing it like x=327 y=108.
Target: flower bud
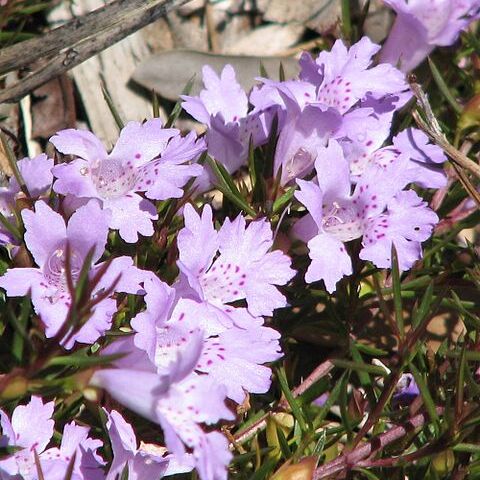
x=303 y=470
x=357 y=405
x=22 y=258
x=16 y=387
x=470 y=116
x=443 y=462
x=278 y=421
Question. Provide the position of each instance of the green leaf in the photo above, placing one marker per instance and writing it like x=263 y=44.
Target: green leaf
x=366 y=473
x=466 y=447
x=292 y=401
x=271 y=147
x=264 y=471
x=251 y=163
x=468 y=317
x=82 y=361
x=343 y=404
x=177 y=109
x=470 y=355
x=228 y=187
x=11 y=228
x=155 y=105
x=332 y=398
x=346 y=20
x=284 y=199
x=424 y=308
x=443 y=87
x=397 y=293
x=369 y=350
x=111 y=106
x=459 y=394
x=281 y=72
x=285 y=449
x=360 y=367
x=21 y=335
x=263 y=71
x=357 y=358
x=83 y=280
x=426 y=396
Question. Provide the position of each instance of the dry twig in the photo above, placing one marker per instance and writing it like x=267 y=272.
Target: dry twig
x=71 y=44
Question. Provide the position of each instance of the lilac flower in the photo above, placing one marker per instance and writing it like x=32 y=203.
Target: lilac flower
x=75 y=441
x=223 y=107
x=47 y=238
x=38 y=178
x=31 y=429
x=236 y=356
x=304 y=125
x=321 y=400
x=424 y=158
x=407 y=223
x=406 y=389
x=378 y=212
x=343 y=77
x=301 y=137
x=416 y=160
x=143 y=463
x=187 y=404
x=337 y=79
x=244 y=268
x=332 y=86
x=271 y=94
x=232 y=353
x=422 y=25
x=146 y=158
x=179 y=400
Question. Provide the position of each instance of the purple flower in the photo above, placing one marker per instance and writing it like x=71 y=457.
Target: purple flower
x=47 y=238
x=301 y=137
x=75 y=441
x=196 y=399
x=232 y=353
x=343 y=77
x=321 y=400
x=406 y=389
x=177 y=399
x=407 y=222
x=244 y=269
x=146 y=158
x=143 y=463
x=223 y=107
x=235 y=358
x=421 y=25
x=31 y=429
x=378 y=212
x=329 y=92
x=416 y=160
x=38 y=178
x=424 y=158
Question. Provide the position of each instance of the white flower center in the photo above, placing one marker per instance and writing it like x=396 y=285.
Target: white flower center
x=342 y=221
x=55 y=267
x=112 y=179
x=300 y=163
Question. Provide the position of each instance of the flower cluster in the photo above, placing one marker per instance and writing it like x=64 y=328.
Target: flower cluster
x=199 y=340
x=334 y=122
